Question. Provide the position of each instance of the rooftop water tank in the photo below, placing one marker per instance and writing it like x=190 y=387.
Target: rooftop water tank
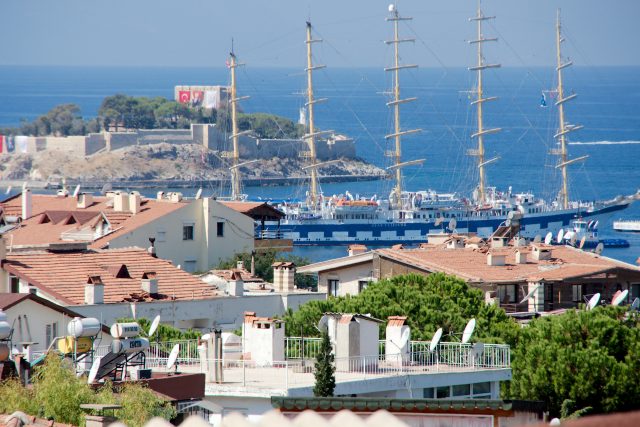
x=87 y=327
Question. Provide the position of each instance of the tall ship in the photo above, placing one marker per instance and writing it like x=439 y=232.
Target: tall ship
x=408 y=216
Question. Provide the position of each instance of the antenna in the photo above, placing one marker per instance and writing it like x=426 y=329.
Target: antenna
x=435 y=340
x=537 y=239
x=617 y=300
x=468 y=331
x=94 y=370
x=548 y=238
x=154 y=325
x=560 y=236
x=452 y=224
x=582 y=242
x=530 y=294
x=593 y=301
x=599 y=248
x=173 y=356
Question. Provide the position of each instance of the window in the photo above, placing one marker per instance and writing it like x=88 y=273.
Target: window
x=577 y=293
x=220 y=229
x=461 y=390
x=14 y=283
x=190 y=266
x=483 y=389
x=507 y=293
x=442 y=392
x=51 y=331
x=362 y=285
x=187 y=232
x=427 y=393
x=332 y=287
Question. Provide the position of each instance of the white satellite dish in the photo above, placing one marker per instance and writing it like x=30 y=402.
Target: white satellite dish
x=530 y=294
x=635 y=305
x=599 y=248
x=392 y=7
x=537 y=239
x=404 y=339
x=548 y=238
x=323 y=323
x=468 y=331
x=133 y=310
x=94 y=370
x=595 y=225
x=435 y=340
x=582 y=242
x=452 y=224
x=593 y=301
x=560 y=236
x=568 y=234
x=439 y=221
x=154 y=325
x=620 y=297
x=76 y=191
x=199 y=194
x=8 y=190
x=173 y=356
x=573 y=239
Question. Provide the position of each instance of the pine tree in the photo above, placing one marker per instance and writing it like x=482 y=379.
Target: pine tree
x=325 y=371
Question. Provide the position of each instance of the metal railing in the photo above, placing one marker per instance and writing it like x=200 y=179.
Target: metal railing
x=301 y=348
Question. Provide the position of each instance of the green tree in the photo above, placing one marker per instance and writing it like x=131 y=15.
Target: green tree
x=431 y=302
x=325 y=371
x=588 y=357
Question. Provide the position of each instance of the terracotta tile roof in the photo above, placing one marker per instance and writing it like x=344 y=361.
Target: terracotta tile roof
x=245 y=275
x=51 y=216
x=397 y=320
x=63 y=275
x=251 y=318
x=471 y=264
x=357 y=246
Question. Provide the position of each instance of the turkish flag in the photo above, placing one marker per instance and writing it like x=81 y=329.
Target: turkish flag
x=184 y=96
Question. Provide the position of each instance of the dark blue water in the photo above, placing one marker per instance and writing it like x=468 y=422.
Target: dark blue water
x=608 y=106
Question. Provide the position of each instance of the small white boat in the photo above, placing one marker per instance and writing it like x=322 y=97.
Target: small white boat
x=627 y=225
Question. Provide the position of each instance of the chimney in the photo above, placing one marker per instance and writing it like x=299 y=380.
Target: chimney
x=263 y=339
x=121 y=202
x=284 y=276
x=521 y=256
x=456 y=242
x=3 y=249
x=152 y=249
x=94 y=291
x=160 y=195
x=84 y=200
x=235 y=285
x=134 y=202
x=541 y=253
x=27 y=205
x=396 y=350
x=150 y=282
x=356 y=249
x=239 y=265
x=495 y=259
x=498 y=242
x=253 y=263
x=175 y=197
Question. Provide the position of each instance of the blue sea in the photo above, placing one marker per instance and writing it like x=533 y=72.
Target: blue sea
x=608 y=105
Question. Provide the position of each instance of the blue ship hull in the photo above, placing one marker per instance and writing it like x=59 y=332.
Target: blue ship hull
x=388 y=232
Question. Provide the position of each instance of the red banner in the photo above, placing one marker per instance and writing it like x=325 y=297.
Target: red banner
x=184 y=96
x=1 y=143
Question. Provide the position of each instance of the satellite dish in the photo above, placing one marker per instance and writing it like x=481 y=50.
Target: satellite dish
x=106 y=188
x=323 y=323
x=173 y=356
x=522 y=242
x=133 y=310
x=573 y=239
x=593 y=301
x=537 y=239
x=435 y=340
x=595 y=225
x=560 y=236
x=635 y=305
x=555 y=422
x=76 y=191
x=548 y=238
x=582 y=242
x=199 y=194
x=404 y=339
x=438 y=221
x=392 y=7
x=94 y=370
x=530 y=294
x=154 y=325
x=205 y=337
x=452 y=224
x=568 y=234
x=599 y=248
x=468 y=331
x=620 y=297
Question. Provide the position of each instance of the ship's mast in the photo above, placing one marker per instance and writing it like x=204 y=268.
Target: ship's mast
x=312 y=134
x=236 y=183
x=397 y=134
x=564 y=128
x=479 y=101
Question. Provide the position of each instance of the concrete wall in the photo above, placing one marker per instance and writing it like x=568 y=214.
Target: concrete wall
x=348 y=278
x=226 y=313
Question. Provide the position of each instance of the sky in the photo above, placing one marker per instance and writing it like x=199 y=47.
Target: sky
x=270 y=33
